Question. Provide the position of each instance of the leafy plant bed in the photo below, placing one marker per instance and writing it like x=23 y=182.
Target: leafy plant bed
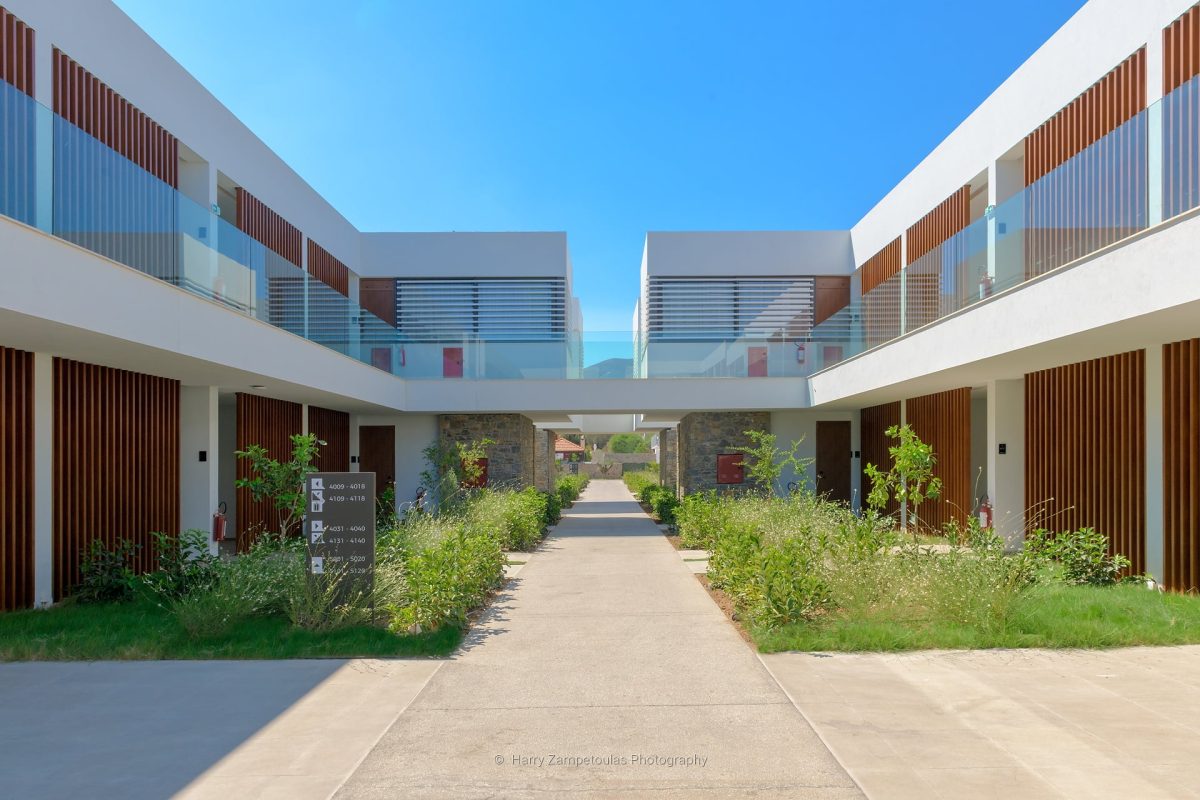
x=1051 y=615
x=143 y=630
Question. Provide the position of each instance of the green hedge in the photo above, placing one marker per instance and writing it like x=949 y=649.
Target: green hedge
x=569 y=487
x=637 y=481
x=661 y=501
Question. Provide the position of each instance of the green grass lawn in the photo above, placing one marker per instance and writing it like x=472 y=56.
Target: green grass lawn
x=142 y=630
x=1051 y=615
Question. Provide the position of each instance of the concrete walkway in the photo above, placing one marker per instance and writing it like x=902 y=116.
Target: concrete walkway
x=605 y=669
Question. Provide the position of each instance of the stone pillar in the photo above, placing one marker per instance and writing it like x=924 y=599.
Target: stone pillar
x=543 y=460
x=198 y=458
x=1006 y=470
x=511 y=459
x=668 y=467
x=705 y=435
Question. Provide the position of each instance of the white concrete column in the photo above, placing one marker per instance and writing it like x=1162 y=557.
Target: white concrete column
x=904 y=421
x=199 y=460
x=1155 y=498
x=43 y=479
x=993 y=181
x=304 y=418
x=43 y=93
x=1006 y=457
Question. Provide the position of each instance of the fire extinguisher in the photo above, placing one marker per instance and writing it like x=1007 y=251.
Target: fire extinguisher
x=218 y=528
x=800 y=352
x=985 y=513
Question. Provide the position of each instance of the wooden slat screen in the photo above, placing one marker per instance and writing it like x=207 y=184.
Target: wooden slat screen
x=1181 y=50
x=333 y=428
x=16 y=52
x=378 y=295
x=91 y=105
x=270 y=423
x=1098 y=200
x=115 y=175
x=18 y=121
x=1085 y=454
x=258 y=221
x=943 y=421
x=874 y=443
x=927 y=258
x=831 y=294
x=1181 y=465
x=329 y=270
x=16 y=479
x=948 y=218
x=116 y=463
x=881 y=295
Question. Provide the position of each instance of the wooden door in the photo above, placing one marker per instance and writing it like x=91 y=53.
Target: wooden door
x=833 y=460
x=377 y=453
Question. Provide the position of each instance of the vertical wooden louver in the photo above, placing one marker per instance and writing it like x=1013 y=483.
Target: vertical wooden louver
x=923 y=278
x=378 y=295
x=333 y=428
x=943 y=421
x=16 y=479
x=1085 y=454
x=324 y=267
x=18 y=121
x=1077 y=208
x=881 y=295
x=874 y=443
x=115 y=175
x=270 y=423
x=261 y=223
x=16 y=52
x=91 y=105
x=1181 y=465
x=1181 y=114
x=116 y=463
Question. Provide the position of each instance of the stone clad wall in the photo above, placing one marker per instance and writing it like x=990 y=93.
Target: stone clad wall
x=511 y=459
x=668 y=469
x=543 y=460
x=705 y=435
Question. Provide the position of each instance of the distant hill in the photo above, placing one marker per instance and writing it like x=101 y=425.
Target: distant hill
x=610 y=368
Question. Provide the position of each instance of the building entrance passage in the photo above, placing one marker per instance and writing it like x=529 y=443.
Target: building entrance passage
x=833 y=460
x=377 y=453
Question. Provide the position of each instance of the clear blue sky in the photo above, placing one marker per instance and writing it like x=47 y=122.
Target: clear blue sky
x=604 y=119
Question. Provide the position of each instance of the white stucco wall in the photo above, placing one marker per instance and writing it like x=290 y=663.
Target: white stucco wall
x=465 y=255
x=747 y=253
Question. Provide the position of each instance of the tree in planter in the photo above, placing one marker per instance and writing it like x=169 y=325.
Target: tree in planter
x=454 y=466
x=910 y=481
x=281 y=483
x=765 y=462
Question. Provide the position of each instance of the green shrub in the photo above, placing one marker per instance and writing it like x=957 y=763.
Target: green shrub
x=1082 y=556
x=699 y=518
x=661 y=501
x=106 y=576
x=553 y=508
x=185 y=565
x=638 y=481
x=515 y=519
x=569 y=487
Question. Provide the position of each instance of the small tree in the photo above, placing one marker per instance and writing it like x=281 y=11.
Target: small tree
x=281 y=483
x=910 y=481
x=628 y=443
x=765 y=462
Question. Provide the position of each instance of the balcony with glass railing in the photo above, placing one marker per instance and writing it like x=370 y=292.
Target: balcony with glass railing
x=59 y=179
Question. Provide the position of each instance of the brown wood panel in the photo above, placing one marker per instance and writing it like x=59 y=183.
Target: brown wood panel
x=16 y=52
x=1181 y=50
x=881 y=295
x=1085 y=455
x=1090 y=205
x=948 y=218
x=116 y=463
x=377 y=453
x=833 y=462
x=260 y=222
x=332 y=428
x=1181 y=465
x=874 y=443
x=943 y=421
x=323 y=266
x=378 y=295
x=271 y=423
x=91 y=105
x=831 y=295
x=16 y=479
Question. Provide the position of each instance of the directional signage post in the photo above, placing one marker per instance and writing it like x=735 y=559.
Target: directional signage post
x=340 y=528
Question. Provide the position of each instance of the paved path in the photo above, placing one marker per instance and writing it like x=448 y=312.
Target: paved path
x=604 y=648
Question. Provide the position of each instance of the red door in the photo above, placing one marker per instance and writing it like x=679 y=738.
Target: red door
x=452 y=362
x=481 y=480
x=757 y=358
x=730 y=469
x=381 y=358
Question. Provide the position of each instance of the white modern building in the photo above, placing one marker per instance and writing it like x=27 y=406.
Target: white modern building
x=172 y=291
